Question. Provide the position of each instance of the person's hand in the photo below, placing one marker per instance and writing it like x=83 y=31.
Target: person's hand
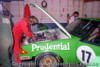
x=33 y=37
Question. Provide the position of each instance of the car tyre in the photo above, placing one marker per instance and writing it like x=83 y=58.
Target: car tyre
x=48 y=60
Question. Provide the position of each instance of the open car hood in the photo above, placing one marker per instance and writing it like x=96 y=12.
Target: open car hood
x=53 y=19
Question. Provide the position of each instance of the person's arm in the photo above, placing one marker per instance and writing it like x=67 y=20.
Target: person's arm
x=26 y=29
x=68 y=20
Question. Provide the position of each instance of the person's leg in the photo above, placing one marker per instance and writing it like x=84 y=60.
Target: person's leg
x=17 y=44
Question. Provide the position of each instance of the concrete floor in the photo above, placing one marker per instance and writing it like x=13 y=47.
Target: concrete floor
x=32 y=63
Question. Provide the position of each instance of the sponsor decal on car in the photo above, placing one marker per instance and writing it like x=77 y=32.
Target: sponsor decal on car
x=22 y=58
x=59 y=46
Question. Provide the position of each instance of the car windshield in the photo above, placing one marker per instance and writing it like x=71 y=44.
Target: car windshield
x=87 y=30
x=80 y=27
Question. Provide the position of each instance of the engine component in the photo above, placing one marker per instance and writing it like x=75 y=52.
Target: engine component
x=44 y=36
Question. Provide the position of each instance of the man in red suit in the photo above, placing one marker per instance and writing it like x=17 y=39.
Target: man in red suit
x=20 y=27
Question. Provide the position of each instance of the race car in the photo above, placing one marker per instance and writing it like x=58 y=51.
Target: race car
x=56 y=46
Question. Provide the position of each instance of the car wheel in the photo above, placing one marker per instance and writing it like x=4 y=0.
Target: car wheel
x=48 y=60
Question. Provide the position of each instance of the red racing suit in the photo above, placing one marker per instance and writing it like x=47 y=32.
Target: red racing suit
x=20 y=27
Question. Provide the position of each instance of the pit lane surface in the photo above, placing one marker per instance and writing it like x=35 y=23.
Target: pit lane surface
x=32 y=63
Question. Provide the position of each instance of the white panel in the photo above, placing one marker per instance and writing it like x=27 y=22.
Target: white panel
x=40 y=14
x=14 y=3
x=96 y=6
x=70 y=7
x=81 y=3
x=14 y=7
x=56 y=9
x=63 y=14
x=76 y=5
x=89 y=8
x=14 y=10
x=15 y=19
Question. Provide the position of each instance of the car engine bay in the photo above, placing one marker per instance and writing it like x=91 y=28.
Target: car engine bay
x=46 y=35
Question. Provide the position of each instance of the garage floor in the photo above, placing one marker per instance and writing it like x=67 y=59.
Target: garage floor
x=32 y=63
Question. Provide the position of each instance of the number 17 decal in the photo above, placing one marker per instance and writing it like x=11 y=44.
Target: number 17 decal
x=85 y=54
